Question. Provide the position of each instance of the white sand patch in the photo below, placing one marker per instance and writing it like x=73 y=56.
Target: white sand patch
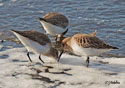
x=17 y=72
x=115 y=60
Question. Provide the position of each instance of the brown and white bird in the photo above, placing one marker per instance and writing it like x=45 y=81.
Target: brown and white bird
x=86 y=45
x=36 y=42
x=55 y=24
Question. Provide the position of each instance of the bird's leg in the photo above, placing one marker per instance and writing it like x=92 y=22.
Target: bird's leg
x=87 y=62
x=29 y=57
x=40 y=59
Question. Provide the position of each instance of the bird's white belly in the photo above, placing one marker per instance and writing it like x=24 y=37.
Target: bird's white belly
x=87 y=51
x=52 y=29
x=33 y=46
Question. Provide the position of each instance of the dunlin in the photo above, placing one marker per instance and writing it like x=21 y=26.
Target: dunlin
x=55 y=24
x=36 y=42
x=86 y=45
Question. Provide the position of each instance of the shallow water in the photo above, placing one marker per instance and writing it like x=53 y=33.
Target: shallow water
x=107 y=16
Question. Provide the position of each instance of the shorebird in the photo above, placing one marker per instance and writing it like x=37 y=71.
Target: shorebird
x=86 y=45
x=55 y=24
x=36 y=42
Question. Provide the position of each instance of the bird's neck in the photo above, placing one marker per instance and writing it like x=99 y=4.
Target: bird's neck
x=49 y=53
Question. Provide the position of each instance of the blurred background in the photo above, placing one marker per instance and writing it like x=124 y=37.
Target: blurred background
x=107 y=16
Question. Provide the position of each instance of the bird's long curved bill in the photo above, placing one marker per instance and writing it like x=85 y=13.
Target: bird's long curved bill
x=60 y=55
x=65 y=32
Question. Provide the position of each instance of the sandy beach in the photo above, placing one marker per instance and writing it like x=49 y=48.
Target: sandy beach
x=17 y=72
x=85 y=16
